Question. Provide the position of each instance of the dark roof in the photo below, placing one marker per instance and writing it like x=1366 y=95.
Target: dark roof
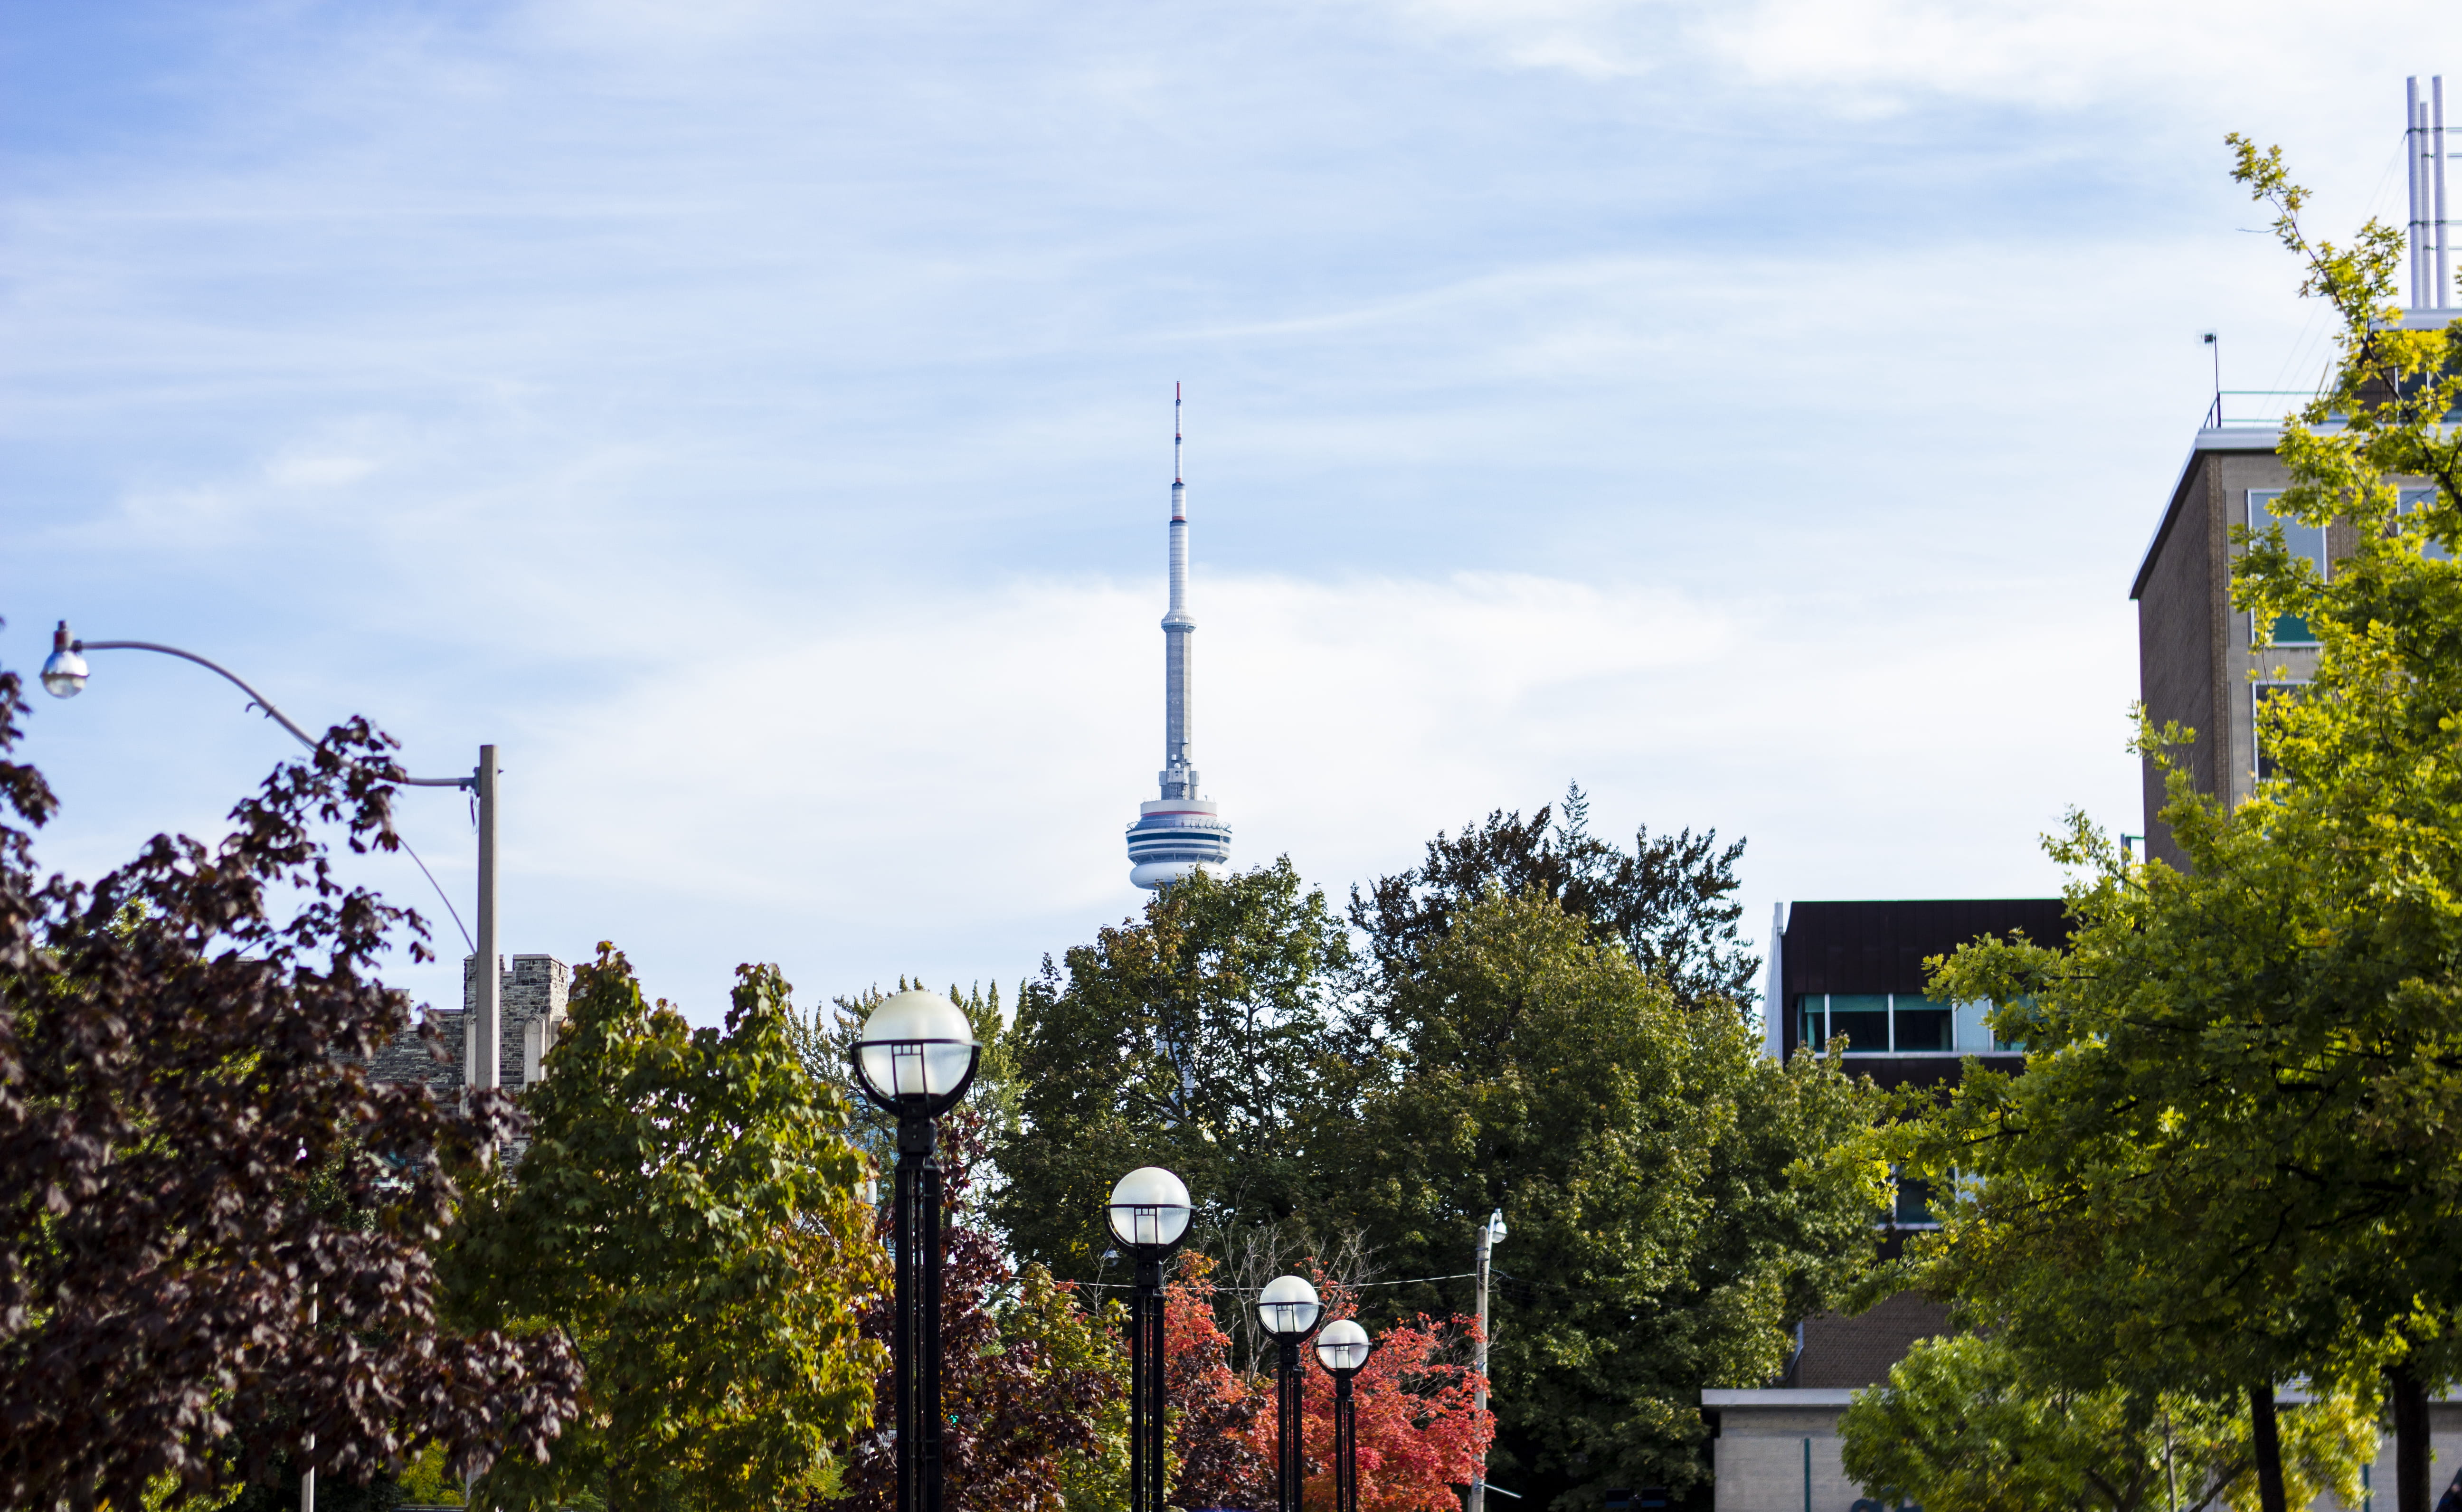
x=1880 y=945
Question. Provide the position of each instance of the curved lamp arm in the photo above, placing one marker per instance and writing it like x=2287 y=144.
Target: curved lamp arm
x=77 y=648
x=255 y=697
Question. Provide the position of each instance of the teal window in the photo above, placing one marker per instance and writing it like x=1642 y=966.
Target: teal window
x=1920 y=1024
x=2303 y=540
x=1912 y=1203
x=1863 y=1019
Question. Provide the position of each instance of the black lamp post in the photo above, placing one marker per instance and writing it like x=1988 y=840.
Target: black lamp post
x=914 y=1058
x=1149 y=1216
x=1343 y=1349
x=1289 y=1310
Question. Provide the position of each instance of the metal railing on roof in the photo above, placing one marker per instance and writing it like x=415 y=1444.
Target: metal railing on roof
x=2252 y=408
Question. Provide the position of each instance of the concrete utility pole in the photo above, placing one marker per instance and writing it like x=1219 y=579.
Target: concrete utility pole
x=486 y=1016
x=1489 y=1233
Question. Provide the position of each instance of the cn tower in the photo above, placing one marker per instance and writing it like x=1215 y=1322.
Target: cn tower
x=1180 y=833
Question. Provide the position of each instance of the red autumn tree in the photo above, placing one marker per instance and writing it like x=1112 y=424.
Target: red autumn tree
x=1214 y=1413
x=1422 y=1434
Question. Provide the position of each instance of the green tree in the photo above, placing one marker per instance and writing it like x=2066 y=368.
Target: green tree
x=1962 y=1426
x=1670 y=900
x=688 y=1213
x=2236 y=1155
x=1677 y=1200
x=1201 y=1038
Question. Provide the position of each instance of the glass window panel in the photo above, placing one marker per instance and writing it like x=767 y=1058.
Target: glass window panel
x=1914 y=1201
x=1974 y=1035
x=1923 y=1024
x=2301 y=540
x=1810 y=1030
x=1864 y=1018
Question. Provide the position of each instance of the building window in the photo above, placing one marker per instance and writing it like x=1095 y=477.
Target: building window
x=2260 y=694
x=2303 y=540
x=1911 y=1206
x=1896 y=1024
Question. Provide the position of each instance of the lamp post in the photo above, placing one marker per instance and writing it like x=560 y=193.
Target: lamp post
x=1149 y=1214
x=914 y=1058
x=64 y=676
x=1289 y=1310
x=1343 y=1348
x=1489 y=1233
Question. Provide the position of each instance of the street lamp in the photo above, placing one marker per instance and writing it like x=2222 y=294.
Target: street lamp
x=1343 y=1348
x=914 y=1058
x=1489 y=1233
x=1289 y=1310
x=1149 y=1216
x=64 y=676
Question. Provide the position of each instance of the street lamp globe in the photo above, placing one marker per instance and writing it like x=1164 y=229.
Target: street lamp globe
x=917 y=1055
x=1149 y=1210
x=1342 y=1348
x=64 y=671
x=1288 y=1307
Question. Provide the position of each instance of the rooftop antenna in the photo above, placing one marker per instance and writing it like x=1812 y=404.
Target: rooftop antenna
x=2414 y=152
x=2436 y=145
x=2432 y=252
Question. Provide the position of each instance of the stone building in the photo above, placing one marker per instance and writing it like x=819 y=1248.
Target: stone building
x=534 y=991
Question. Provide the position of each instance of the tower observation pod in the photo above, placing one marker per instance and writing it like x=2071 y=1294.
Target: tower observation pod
x=1179 y=832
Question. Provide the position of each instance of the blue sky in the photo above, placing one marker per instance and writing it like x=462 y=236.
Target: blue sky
x=755 y=419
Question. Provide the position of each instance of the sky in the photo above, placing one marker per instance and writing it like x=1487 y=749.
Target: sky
x=755 y=419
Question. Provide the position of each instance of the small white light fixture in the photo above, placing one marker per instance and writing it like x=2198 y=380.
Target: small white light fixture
x=1149 y=1209
x=916 y=1054
x=64 y=671
x=1342 y=1347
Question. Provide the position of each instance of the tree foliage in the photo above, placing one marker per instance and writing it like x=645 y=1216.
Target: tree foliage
x=1669 y=900
x=689 y=1212
x=2235 y=1154
x=1420 y=1430
x=213 y=1226
x=1200 y=1037
x=1963 y=1426
x=1676 y=1198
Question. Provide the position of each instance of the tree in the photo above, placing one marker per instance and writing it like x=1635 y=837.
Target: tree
x=689 y=1212
x=1420 y=1431
x=1962 y=1426
x=213 y=1226
x=1677 y=1200
x=1201 y=1037
x=1669 y=900
x=1027 y=1379
x=2235 y=1154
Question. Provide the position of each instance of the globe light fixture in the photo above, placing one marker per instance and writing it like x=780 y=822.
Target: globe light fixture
x=916 y=1054
x=1343 y=1348
x=64 y=670
x=1289 y=1312
x=915 y=1058
x=1148 y=1215
x=1149 y=1210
